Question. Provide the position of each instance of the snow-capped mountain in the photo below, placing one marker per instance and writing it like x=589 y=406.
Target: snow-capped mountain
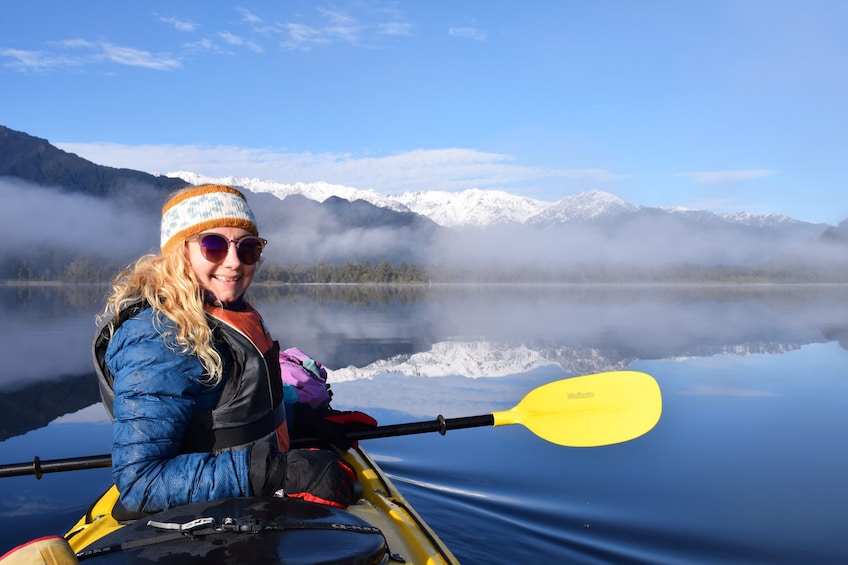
x=472 y=359
x=759 y=220
x=475 y=208
x=483 y=384
x=469 y=208
x=483 y=359
x=591 y=205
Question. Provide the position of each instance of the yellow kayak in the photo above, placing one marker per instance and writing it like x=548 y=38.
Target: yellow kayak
x=381 y=527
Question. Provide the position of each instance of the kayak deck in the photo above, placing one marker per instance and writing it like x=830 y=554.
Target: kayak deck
x=405 y=537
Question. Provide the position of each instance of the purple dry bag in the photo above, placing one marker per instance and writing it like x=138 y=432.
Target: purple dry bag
x=306 y=375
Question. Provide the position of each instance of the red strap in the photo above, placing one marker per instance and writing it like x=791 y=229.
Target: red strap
x=354 y=417
x=312 y=498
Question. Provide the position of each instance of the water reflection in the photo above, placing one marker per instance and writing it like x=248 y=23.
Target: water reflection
x=45 y=332
x=601 y=326
x=745 y=465
x=464 y=331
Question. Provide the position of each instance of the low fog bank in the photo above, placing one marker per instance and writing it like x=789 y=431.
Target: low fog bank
x=639 y=244
x=106 y=227
x=304 y=232
x=47 y=229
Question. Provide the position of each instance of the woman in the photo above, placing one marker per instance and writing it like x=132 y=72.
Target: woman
x=192 y=378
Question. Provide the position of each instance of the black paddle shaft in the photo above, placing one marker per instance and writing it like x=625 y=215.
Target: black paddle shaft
x=38 y=467
x=440 y=424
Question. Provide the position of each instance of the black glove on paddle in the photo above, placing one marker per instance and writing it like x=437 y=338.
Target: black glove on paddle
x=327 y=427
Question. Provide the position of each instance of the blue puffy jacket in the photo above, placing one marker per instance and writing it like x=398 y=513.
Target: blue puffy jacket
x=156 y=392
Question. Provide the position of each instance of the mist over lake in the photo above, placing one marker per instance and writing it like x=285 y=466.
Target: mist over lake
x=591 y=237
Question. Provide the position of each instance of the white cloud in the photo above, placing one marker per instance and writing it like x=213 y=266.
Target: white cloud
x=204 y=44
x=394 y=28
x=337 y=17
x=721 y=177
x=468 y=33
x=79 y=52
x=337 y=26
x=450 y=169
x=238 y=41
x=30 y=61
x=248 y=16
x=180 y=25
x=136 y=57
x=328 y=27
x=304 y=37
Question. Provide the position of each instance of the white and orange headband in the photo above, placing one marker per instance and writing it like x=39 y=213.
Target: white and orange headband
x=195 y=210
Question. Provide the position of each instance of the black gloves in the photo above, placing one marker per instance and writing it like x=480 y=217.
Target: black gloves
x=325 y=427
x=319 y=476
x=267 y=471
x=310 y=474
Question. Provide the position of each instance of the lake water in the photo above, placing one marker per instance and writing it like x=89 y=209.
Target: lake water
x=747 y=464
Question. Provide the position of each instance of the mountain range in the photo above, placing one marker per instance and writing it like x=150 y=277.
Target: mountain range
x=477 y=208
x=474 y=230
x=486 y=227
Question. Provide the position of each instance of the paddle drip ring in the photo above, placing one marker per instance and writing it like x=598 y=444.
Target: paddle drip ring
x=443 y=426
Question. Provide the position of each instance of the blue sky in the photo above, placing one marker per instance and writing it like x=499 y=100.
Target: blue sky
x=724 y=105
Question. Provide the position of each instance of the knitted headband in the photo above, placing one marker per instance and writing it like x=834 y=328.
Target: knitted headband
x=195 y=210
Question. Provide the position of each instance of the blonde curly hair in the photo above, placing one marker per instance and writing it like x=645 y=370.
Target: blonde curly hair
x=168 y=283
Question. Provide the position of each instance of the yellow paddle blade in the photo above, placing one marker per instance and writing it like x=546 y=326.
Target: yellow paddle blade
x=591 y=410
